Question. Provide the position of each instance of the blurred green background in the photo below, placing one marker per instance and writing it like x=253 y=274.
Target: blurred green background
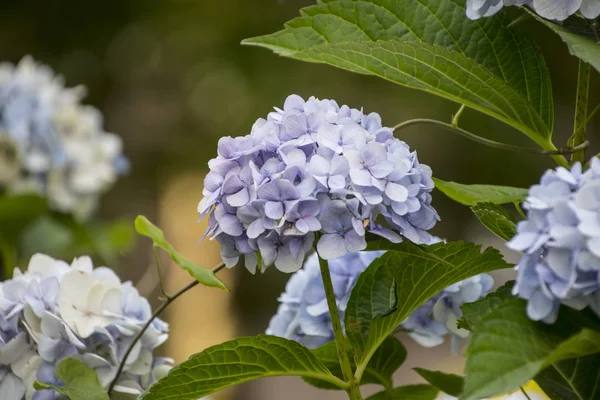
x=171 y=78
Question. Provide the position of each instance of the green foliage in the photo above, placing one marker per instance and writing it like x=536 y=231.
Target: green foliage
x=573 y=379
x=507 y=349
x=579 y=46
x=401 y=280
x=386 y=360
x=474 y=312
x=411 y=392
x=470 y=195
x=428 y=45
x=203 y=275
x=494 y=217
x=239 y=361
x=80 y=381
x=448 y=383
x=16 y=212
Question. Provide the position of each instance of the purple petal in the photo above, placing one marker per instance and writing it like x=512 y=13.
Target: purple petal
x=274 y=209
x=331 y=246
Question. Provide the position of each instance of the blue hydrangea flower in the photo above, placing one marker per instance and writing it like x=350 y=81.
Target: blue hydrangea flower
x=56 y=310
x=560 y=241
x=50 y=143
x=314 y=169
x=557 y=10
x=303 y=314
x=438 y=316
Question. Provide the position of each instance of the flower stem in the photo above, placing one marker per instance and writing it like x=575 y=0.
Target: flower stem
x=156 y=313
x=581 y=110
x=342 y=346
x=492 y=143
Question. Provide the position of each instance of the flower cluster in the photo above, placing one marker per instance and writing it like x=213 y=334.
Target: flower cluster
x=561 y=243
x=314 y=167
x=558 y=10
x=54 y=311
x=303 y=314
x=50 y=143
x=439 y=315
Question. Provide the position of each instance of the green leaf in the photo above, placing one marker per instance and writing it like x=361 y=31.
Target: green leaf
x=507 y=349
x=470 y=195
x=474 y=312
x=80 y=381
x=402 y=279
x=573 y=379
x=386 y=360
x=579 y=46
x=448 y=383
x=237 y=361
x=203 y=275
x=494 y=217
x=411 y=392
x=428 y=45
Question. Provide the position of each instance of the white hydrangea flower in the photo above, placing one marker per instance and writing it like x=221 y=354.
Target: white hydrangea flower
x=50 y=143
x=55 y=310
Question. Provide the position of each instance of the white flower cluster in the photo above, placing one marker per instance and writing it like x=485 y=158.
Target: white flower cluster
x=50 y=143
x=56 y=310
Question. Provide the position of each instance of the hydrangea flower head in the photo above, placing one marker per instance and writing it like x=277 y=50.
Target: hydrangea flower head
x=560 y=241
x=314 y=169
x=55 y=310
x=439 y=315
x=50 y=143
x=303 y=314
x=557 y=10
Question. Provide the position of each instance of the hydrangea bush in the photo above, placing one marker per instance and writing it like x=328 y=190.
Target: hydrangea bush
x=330 y=195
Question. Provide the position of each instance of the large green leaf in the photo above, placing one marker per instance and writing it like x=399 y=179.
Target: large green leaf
x=386 y=360
x=448 y=383
x=237 y=361
x=470 y=195
x=573 y=379
x=402 y=279
x=579 y=46
x=203 y=275
x=474 y=312
x=410 y=392
x=494 y=217
x=428 y=45
x=507 y=349
x=80 y=381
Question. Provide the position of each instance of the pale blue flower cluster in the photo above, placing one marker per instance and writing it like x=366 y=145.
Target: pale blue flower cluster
x=314 y=167
x=558 y=10
x=50 y=143
x=56 y=310
x=561 y=243
x=303 y=314
x=438 y=316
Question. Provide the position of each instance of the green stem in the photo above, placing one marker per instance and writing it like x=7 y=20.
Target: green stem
x=555 y=153
x=581 y=110
x=341 y=344
x=520 y=210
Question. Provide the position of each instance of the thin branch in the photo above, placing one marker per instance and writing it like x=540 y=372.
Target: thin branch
x=457 y=116
x=525 y=393
x=156 y=313
x=488 y=142
x=520 y=210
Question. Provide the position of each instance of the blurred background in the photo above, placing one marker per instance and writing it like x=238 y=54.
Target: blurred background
x=171 y=78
